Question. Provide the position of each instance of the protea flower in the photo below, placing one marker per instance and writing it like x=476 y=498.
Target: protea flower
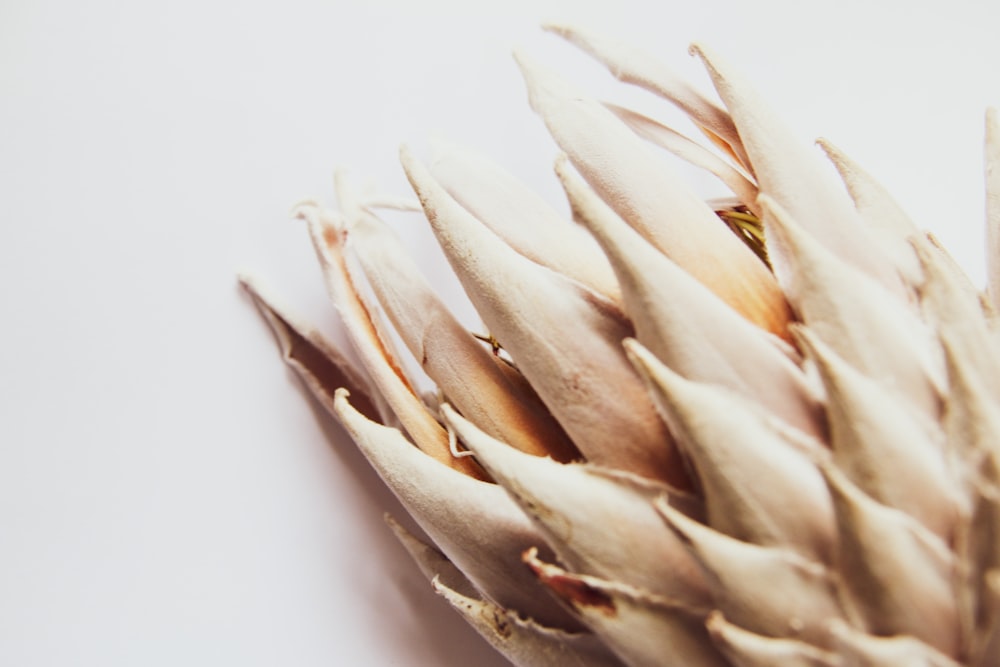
x=754 y=432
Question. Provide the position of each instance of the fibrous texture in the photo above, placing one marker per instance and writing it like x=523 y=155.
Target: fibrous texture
x=764 y=433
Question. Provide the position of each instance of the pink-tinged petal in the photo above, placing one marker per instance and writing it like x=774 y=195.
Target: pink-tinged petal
x=381 y=363
x=524 y=642
x=474 y=523
x=889 y=224
x=744 y=576
x=654 y=132
x=632 y=65
x=897 y=576
x=479 y=383
x=993 y=206
x=859 y=648
x=523 y=219
x=793 y=174
x=650 y=197
x=644 y=629
x=862 y=322
x=733 y=445
x=748 y=649
x=599 y=522
x=689 y=328
x=564 y=338
x=891 y=451
x=322 y=368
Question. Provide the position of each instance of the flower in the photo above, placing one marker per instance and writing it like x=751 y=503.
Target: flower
x=777 y=446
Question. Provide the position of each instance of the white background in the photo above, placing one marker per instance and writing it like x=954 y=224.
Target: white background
x=167 y=494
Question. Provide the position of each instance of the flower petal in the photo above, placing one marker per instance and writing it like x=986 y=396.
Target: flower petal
x=733 y=446
x=743 y=578
x=978 y=549
x=599 y=522
x=892 y=452
x=858 y=648
x=380 y=362
x=642 y=628
x=563 y=337
x=890 y=225
x=690 y=329
x=646 y=193
x=748 y=649
x=315 y=360
x=432 y=563
x=523 y=219
x=524 y=642
x=897 y=575
x=794 y=176
x=971 y=414
x=480 y=384
x=474 y=523
x=986 y=643
x=868 y=327
x=632 y=65
x=686 y=149
x=993 y=206
x=520 y=640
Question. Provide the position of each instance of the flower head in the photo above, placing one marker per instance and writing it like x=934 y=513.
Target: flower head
x=758 y=433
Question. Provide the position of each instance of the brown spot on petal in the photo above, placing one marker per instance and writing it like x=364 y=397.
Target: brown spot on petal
x=573 y=590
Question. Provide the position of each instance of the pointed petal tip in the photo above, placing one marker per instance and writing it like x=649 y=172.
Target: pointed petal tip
x=406 y=156
x=705 y=54
x=557 y=28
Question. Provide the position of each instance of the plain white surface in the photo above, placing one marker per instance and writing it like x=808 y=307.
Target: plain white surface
x=167 y=494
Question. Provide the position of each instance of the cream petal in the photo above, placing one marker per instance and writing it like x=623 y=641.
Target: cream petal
x=733 y=446
x=654 y=132
x=474 y=523
x=748 y=649
x=632 y=65
x=864 y=650
x=322 y=368
x=378 y=359
x=644 y=629
x=522 y=218
x=646 y=193
x=890 y=225
x=691 y=330
x=468 y=374
x=794 y=175
x=868 y=327
x=954 y=308
x=892 y=452
x=758 y=304
x=743 y=578
x=520 y=640
x=897 y=575
x=599 y=522
x=992 y=160
x=971 y=412
x=947 y=296
x=564 y=338
x=524 y=642
x=432 y=563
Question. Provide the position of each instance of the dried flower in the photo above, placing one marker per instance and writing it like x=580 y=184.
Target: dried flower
x=759 y=434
